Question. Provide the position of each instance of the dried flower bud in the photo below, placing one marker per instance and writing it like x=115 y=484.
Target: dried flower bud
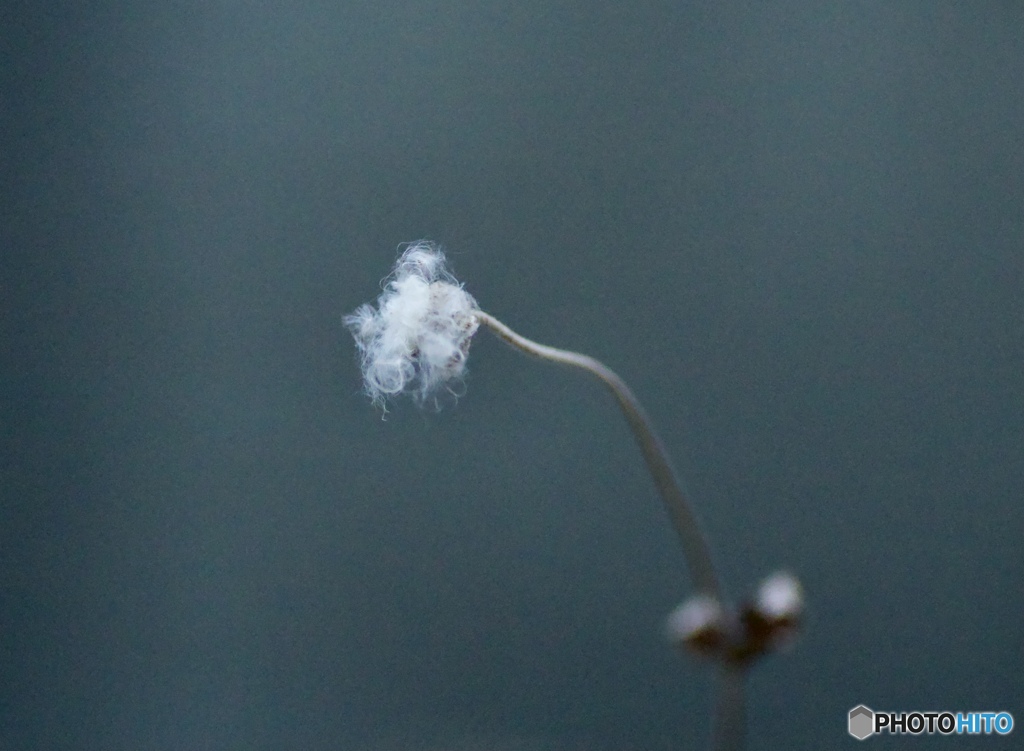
x=780 y=598
x=698 y=625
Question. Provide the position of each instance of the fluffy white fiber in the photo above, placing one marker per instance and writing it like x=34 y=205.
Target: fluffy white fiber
x=418 y=337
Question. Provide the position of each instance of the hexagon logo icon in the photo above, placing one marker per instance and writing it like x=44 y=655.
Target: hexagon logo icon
x=862 y=722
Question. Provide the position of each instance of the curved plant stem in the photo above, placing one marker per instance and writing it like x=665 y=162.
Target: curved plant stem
x=695 y=546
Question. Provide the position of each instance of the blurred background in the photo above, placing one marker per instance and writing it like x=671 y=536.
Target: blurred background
x=796 y=228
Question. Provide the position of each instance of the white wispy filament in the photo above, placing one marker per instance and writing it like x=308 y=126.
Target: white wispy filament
x=417 y=339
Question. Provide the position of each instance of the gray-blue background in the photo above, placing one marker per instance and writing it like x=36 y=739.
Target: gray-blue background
x=797 y=229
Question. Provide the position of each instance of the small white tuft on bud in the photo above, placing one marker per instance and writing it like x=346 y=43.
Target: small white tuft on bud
x=780 y=597
x=698 y=624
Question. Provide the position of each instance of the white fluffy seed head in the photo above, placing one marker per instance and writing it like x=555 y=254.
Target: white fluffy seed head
x=418 y=337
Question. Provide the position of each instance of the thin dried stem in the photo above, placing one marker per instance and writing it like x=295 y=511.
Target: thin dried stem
x=695 y=546
x=729 y=729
